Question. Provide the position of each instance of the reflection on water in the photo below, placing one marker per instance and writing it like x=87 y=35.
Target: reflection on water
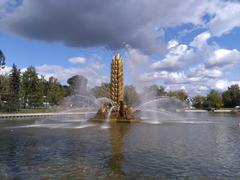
x=202 y=145
x=117 y=134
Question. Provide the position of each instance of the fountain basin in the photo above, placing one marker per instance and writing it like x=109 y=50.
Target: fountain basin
x=109 y=113
x=115 y=120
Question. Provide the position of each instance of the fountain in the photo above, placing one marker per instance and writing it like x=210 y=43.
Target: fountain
x=115 y=110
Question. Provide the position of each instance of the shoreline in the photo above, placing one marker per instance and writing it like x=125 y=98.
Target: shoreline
x=48 y=114
x=203 y=110
x=35 y=115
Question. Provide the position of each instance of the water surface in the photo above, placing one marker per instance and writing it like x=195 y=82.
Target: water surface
x=199 y=145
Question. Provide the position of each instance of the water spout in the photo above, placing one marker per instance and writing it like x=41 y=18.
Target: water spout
x=109 y=114
x=161 y=103
x=106 y=125
x=160 y=109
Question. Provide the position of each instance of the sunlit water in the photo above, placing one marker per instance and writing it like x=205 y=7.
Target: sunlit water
x=199 y=145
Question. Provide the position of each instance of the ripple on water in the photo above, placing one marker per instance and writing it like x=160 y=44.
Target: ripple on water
x=54 y=126
x=71 y=150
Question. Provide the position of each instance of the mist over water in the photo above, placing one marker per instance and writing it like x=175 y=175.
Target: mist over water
x=161 y=110
x=60 y=122
x=154 y=111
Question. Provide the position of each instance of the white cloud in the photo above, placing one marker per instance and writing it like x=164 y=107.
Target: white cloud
x=200 y=40
x=135 y=56
x=7 y=6
x=63 y=73
x=222 y=57
x=97 y=66
x=226 y=18
x=141 y=28
x=5 y=70
x=97 y=26
x=224 y=84
x=167 y=77
x=203 y=72
x=177 y=56
x=172 y=43
x=153 y=76
x=136 y=63
x=92 y=72
x=77 y=60
x=209 y=66
x=3 y=4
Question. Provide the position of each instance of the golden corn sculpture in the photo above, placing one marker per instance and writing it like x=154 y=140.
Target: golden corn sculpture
x=116 y=87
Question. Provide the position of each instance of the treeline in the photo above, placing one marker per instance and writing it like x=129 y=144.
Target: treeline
x=29 y=90
x=227 y=99
x=214 y=99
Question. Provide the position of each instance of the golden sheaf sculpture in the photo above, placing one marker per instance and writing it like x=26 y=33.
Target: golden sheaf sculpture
x=116 y=79
x=117 y=110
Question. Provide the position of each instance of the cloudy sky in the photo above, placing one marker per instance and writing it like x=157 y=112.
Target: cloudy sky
x=192 y=45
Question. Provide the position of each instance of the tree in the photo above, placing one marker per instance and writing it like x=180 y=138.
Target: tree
x=29 y=87
x=101 y=91
x=66 y=90
x=153 y=91
x=40 y=92
x=199 y=102
x=14 y=93
x=231 y=97
x=131 y=96
x=78 y=84
x=55 y=91
x=2 y=59
x=179 y=94
x=4 y=91
x=214 y=100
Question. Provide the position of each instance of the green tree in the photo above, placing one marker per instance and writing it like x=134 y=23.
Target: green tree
x=199 y=102
x=131 y=96
x=30 y=87
x=14 y=93
x=66 y=90
x=55 y=91
x=40 y=93
x=214 y=100
x=2 y=59
x=4 y=91
x=153 y=91
x=179 y=94
x=231 y=97
x=101 y=91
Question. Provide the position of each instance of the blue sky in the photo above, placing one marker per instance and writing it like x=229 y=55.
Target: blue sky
x=192 y=46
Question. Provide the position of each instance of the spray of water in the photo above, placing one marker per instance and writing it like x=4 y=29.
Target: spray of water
x=161 y=103
x=106 y=124
x=103 y=100
x=109 y=114
x=161 y=109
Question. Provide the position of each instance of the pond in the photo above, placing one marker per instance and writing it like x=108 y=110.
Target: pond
x=200 y=145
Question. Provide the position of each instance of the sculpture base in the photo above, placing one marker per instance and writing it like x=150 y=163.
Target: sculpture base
x=115 y=120
x=119 y=115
